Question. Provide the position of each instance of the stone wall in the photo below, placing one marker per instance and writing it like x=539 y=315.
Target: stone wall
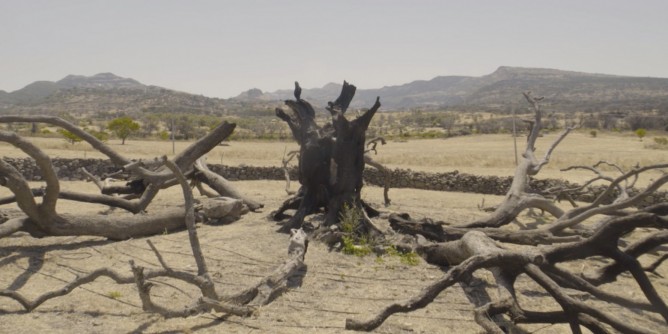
x=70 y=169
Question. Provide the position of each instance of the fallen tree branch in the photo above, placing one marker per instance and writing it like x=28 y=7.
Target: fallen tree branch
x=221 y=185
x=478 y=253
x=285 y=161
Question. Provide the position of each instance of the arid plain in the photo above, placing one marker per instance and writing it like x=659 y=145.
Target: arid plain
x=335 y=286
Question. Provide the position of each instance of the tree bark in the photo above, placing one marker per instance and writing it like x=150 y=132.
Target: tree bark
x=331 y=158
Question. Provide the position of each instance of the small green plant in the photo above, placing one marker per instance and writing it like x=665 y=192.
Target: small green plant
x=350 y=218
x=353 y=242
x=593 y=133
x=408 y=258
x=641 y=133
x=359 y=247
x=114 y=294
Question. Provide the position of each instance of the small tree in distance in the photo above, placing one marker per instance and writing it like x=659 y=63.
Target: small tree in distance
x=641 y=133
x=69 y=136
x=123 y=127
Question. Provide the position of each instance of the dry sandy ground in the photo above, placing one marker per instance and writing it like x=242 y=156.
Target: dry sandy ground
x=334 y=287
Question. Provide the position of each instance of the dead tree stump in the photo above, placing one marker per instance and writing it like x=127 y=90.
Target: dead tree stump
x=331 y=160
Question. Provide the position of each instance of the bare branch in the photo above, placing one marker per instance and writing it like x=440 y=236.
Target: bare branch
x=574 y=306
x=189 y=216
x=221 y=185
x=47 y=208
x=462 y=271
x=386 y=176
x=12 y=226
x=546 y=159
x=93 y=178
x=610 y=272
x=579 y=215
x=374 y=143
x=285 y=161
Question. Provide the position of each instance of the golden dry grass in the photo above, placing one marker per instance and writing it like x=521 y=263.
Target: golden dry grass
x=476 y=154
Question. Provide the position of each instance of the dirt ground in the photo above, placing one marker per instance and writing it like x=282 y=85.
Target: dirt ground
x=334 y=287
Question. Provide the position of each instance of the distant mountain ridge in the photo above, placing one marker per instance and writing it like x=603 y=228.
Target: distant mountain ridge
x=100 y=80
x=103 y=93
x=502 y=89
x=42 y=89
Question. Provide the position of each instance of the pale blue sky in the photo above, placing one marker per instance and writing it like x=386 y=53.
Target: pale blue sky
x=221 y=48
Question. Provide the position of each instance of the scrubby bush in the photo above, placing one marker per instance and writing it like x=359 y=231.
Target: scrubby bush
x=641 y=133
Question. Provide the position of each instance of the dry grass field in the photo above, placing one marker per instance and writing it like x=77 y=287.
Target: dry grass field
x=476 y=154
x=335 y=286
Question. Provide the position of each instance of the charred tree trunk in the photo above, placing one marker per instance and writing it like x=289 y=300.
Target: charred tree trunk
x=331 y=158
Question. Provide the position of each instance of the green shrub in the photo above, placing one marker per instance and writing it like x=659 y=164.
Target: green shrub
x=662 y=141
x=100 y=135
x=408 y=258
x=356 y=246
x=353 y=243
x=641 y=133
x=164 y=135
x=69 y=136
x=350 y=218
x=114 y=294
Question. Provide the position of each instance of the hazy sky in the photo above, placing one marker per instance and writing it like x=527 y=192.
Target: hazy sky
x=221 y=48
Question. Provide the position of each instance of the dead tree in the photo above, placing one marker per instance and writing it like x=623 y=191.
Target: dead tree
x=372 y=144
x=41 y=218
x=518 y=197
x=331 y=159
x=599 y=229
x=244 y=303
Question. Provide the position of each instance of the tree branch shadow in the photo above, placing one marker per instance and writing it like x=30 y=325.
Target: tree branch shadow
x=36 y=256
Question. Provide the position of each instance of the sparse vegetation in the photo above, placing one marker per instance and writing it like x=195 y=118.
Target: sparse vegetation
x=114 y=294
x=123 y=127
x=353 y=242
x=100 y=135
x=660 y=143
x=408 y=258
x=69 y=136
x=640 y=133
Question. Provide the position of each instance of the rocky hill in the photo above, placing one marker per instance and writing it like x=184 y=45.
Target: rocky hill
x=564 y=90
x=105 y=93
